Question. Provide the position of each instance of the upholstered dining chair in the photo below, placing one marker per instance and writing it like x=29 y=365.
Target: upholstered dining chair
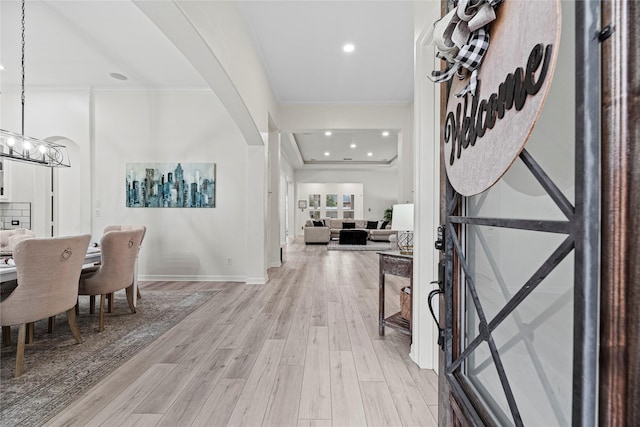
x=48 y=270
x=128 y=227
x=9 y=238
x=118 y=228
x=119 y=249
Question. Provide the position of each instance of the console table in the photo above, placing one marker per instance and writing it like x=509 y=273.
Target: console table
x=393 y=262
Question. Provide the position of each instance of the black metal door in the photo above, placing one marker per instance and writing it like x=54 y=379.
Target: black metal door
x=483 y=365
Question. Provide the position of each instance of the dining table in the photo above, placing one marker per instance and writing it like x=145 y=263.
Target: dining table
x=9 y=274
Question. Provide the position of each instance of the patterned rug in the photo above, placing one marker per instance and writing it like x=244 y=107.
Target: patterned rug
x=333 y=245
x=57 y=370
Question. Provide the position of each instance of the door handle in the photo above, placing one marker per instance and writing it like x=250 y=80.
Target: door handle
x=432 y=294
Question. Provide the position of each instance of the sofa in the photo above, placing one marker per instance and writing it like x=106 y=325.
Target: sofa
x=316 y=234
x=331 y=229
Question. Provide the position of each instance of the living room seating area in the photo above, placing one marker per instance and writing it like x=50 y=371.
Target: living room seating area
x=324 y=230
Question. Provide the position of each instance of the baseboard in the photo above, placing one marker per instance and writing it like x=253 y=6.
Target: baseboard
x=257 y=280
x=177 y=278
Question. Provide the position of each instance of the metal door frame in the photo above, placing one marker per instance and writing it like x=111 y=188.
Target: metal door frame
x=582 y=227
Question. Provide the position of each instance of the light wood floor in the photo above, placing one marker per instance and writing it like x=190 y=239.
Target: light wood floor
x=302 y=350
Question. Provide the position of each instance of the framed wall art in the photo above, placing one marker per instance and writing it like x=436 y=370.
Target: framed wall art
x=171 y=185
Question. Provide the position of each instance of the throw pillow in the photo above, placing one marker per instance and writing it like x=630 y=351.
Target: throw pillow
x=348 y=225
x=318 y=224
x=372 y=225
x=384 y=225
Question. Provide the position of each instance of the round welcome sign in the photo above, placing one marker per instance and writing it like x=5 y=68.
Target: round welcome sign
x=485 y=130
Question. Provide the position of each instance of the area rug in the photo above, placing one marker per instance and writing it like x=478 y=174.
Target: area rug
x=57 y=370
x=333 y=245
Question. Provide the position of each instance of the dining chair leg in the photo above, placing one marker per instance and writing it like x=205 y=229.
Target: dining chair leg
x=22 y=337
x=30 y=328
x=77 y=308
x=110 y=302
x=6 y=336
x=129 y=292
x=52 y=324
x=101 y=321
x=92 y=304
x=138 y=293
x=71 y=318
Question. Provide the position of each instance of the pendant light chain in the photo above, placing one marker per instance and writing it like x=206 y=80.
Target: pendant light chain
x=22 y=148
x=23 y=43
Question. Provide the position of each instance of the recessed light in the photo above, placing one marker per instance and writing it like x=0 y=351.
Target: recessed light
x=1 y=68
x=119 y=76
x=353 y=145
x=385 y=133
x=328 y=133
x=326 y=153
x=348 y=48
x=369 y=154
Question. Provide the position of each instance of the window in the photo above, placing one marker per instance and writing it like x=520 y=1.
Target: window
x=332 y=202
x=314 y=206
x=348 y=203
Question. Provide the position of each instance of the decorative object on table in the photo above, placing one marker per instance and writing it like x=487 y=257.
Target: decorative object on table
x=504 y=84
x=403 y=223
x=171 y=185
x=59 y=260
x=302 y=204
x=22 y=148
x=405 y=303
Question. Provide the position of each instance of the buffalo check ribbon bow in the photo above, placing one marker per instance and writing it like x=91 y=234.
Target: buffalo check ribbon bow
x=462 y=40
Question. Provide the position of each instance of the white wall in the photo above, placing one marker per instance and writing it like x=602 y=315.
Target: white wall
x=288 y=176
x=424 y=349
x=181 y=244
x=275 y=198
x=379 y=189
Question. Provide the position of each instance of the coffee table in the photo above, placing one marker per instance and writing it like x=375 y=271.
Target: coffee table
x=353 y=237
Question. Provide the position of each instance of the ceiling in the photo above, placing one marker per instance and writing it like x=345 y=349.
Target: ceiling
x=80 y=43
x=352 y=147
x=300 y=44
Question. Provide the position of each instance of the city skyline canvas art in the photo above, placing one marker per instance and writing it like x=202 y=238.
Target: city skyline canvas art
x=171 y=185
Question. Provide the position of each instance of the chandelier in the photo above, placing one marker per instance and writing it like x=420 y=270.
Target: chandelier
x=22 y=148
